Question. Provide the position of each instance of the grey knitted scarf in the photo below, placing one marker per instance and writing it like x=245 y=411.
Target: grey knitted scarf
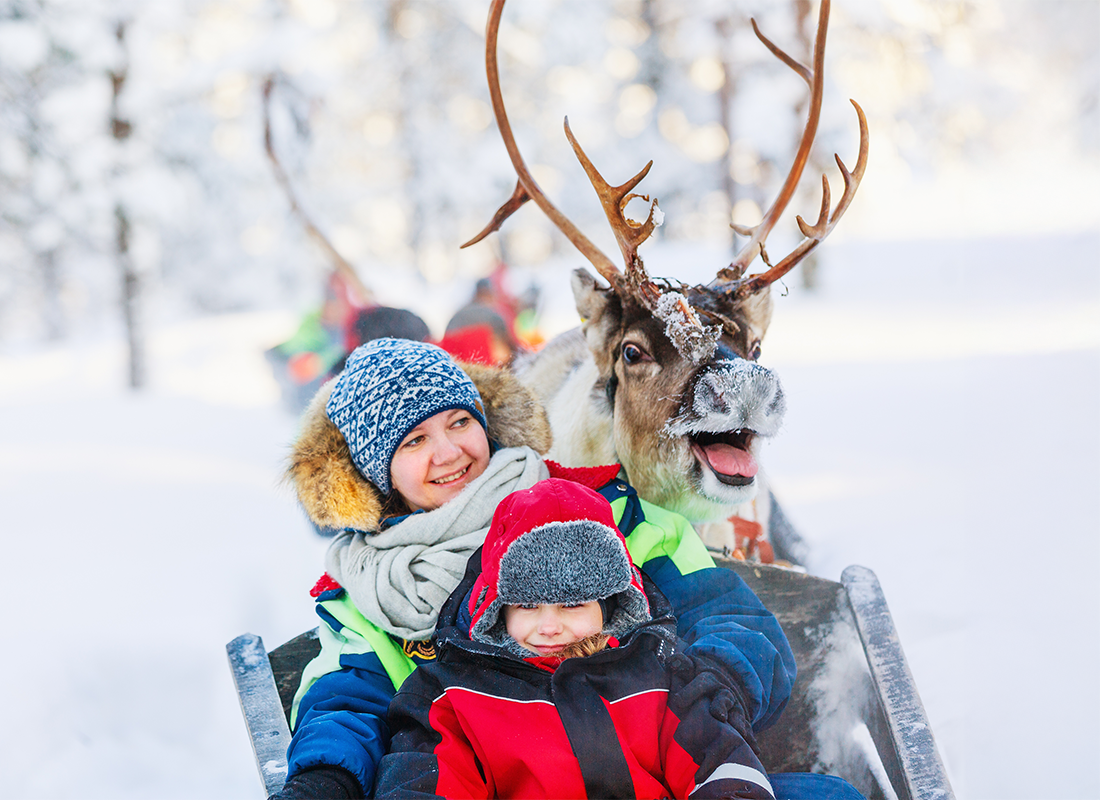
x=400 y=578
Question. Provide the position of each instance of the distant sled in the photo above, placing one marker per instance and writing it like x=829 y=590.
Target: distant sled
x=855 y=711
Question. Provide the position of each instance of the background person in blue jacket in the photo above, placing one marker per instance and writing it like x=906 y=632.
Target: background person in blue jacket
x=404 y=458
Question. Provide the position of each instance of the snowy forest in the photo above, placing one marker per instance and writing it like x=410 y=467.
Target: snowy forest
x=136 y=185
x=180 y=178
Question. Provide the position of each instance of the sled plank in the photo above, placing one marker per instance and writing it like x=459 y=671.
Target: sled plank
x=263 y=711
x=922 y=775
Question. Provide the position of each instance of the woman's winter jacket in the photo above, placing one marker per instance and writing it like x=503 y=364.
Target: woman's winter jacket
x=637 y=720
x=338 y=717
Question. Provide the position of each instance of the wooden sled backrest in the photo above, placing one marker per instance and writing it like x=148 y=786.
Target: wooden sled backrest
x=854 y=712
x=287 y=662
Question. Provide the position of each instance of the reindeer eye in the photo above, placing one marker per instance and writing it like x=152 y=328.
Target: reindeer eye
x=754 y=351
x=632 y=354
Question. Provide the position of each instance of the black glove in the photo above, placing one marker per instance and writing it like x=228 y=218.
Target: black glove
x=696 y=677
x=321 y=783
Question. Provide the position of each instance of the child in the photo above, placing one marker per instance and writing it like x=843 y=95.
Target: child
x=571 y=681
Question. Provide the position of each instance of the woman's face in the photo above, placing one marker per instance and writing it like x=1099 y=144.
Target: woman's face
x=438 y=459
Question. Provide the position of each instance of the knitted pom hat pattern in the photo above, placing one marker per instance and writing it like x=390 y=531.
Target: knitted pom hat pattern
x=555 y=543
x=387 y=388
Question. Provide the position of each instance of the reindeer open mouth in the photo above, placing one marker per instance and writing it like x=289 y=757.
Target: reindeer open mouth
x=728 y=455
x=730 y=405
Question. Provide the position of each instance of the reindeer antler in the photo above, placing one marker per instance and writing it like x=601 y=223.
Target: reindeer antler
x=614 y=200
x=815 y=234
x=730 y=279
x=629 y=234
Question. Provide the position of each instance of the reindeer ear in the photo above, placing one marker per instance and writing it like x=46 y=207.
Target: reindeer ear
x=600 y=311
x=757 y=309
x=588 y=295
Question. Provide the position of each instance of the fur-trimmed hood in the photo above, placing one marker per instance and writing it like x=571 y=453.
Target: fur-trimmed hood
x=335 y=495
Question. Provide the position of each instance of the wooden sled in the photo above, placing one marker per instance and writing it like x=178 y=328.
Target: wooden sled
x=855 y=711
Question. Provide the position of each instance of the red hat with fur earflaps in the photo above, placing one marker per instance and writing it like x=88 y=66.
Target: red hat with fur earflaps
x=554 y=543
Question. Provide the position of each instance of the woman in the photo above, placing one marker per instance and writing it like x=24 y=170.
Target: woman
x=404 y=457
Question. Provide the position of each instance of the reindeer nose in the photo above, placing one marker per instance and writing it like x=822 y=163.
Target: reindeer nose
x=740 y=394
x=710 y=394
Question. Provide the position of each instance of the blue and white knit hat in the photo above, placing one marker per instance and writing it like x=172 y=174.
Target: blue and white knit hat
x=387 y=388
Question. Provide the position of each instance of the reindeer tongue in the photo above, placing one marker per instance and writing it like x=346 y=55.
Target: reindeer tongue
x=729 y=460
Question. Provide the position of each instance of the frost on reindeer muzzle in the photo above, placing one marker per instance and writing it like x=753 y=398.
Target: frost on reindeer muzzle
x=731 y=403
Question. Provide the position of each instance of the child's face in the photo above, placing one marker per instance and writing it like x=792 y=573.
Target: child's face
x=546 y=628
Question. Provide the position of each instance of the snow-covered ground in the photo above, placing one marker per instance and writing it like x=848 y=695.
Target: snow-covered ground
x=944 y=430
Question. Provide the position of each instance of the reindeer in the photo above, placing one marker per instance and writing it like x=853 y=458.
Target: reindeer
x=662 y=377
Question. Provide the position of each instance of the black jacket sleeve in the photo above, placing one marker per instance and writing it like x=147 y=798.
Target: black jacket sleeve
x=321 y=783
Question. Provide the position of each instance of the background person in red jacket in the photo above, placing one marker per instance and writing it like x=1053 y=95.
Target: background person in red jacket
x=560 y=675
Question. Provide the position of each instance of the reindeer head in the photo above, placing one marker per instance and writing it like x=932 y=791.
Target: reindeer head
x=686 y=406
x=676 y=364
